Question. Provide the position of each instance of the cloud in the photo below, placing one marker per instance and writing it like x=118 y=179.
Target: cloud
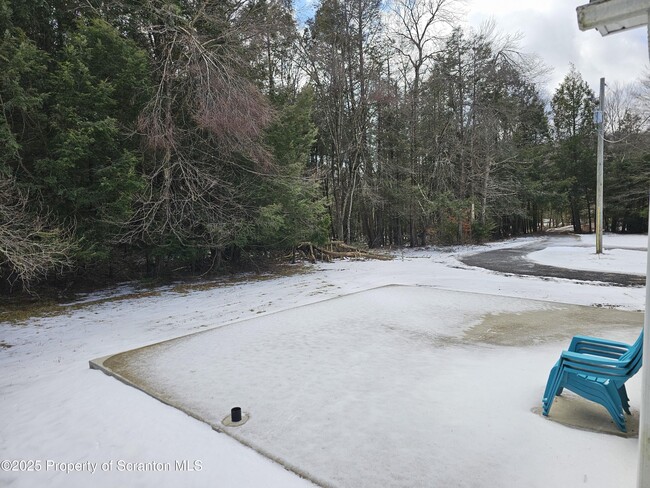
x=550 y=30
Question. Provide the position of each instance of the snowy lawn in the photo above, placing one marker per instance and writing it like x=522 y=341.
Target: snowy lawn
x=621 y=254
x=54 y=408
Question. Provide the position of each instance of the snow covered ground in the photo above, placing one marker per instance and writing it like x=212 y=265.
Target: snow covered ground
x=621 y=254
x=56 y=412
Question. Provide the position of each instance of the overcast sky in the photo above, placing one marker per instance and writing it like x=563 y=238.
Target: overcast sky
x=550 y=29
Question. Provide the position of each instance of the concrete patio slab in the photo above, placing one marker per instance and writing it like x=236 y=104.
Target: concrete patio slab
x=380 y=388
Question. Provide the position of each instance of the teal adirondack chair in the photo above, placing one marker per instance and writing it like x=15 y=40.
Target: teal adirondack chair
x=596 y=369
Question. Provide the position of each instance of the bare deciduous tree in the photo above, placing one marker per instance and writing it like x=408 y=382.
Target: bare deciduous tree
x=419 y=26
x=30 y=247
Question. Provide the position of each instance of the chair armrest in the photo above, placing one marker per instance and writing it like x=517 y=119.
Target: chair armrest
x=589 y=359
x=593 y=365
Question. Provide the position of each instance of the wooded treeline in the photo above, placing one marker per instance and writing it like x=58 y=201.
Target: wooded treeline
x=154 y=136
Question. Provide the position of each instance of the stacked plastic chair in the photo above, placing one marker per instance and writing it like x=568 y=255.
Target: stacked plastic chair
x=596 y=369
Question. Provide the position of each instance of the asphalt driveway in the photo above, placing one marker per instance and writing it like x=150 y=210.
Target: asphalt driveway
x=513 y=261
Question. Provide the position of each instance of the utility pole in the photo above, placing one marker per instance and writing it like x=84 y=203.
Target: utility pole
x=600 y=115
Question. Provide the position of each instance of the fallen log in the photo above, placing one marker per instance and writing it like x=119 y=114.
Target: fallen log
x=337 y=250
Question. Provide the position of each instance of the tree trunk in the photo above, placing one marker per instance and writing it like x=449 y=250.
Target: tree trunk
x=575 y=215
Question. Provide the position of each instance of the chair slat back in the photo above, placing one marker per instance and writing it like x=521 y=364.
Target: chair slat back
x=635 y=349
x=635 y=355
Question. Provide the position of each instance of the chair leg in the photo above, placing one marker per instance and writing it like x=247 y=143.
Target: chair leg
x=617 y=406
x=551 y=387
x=625 y=400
